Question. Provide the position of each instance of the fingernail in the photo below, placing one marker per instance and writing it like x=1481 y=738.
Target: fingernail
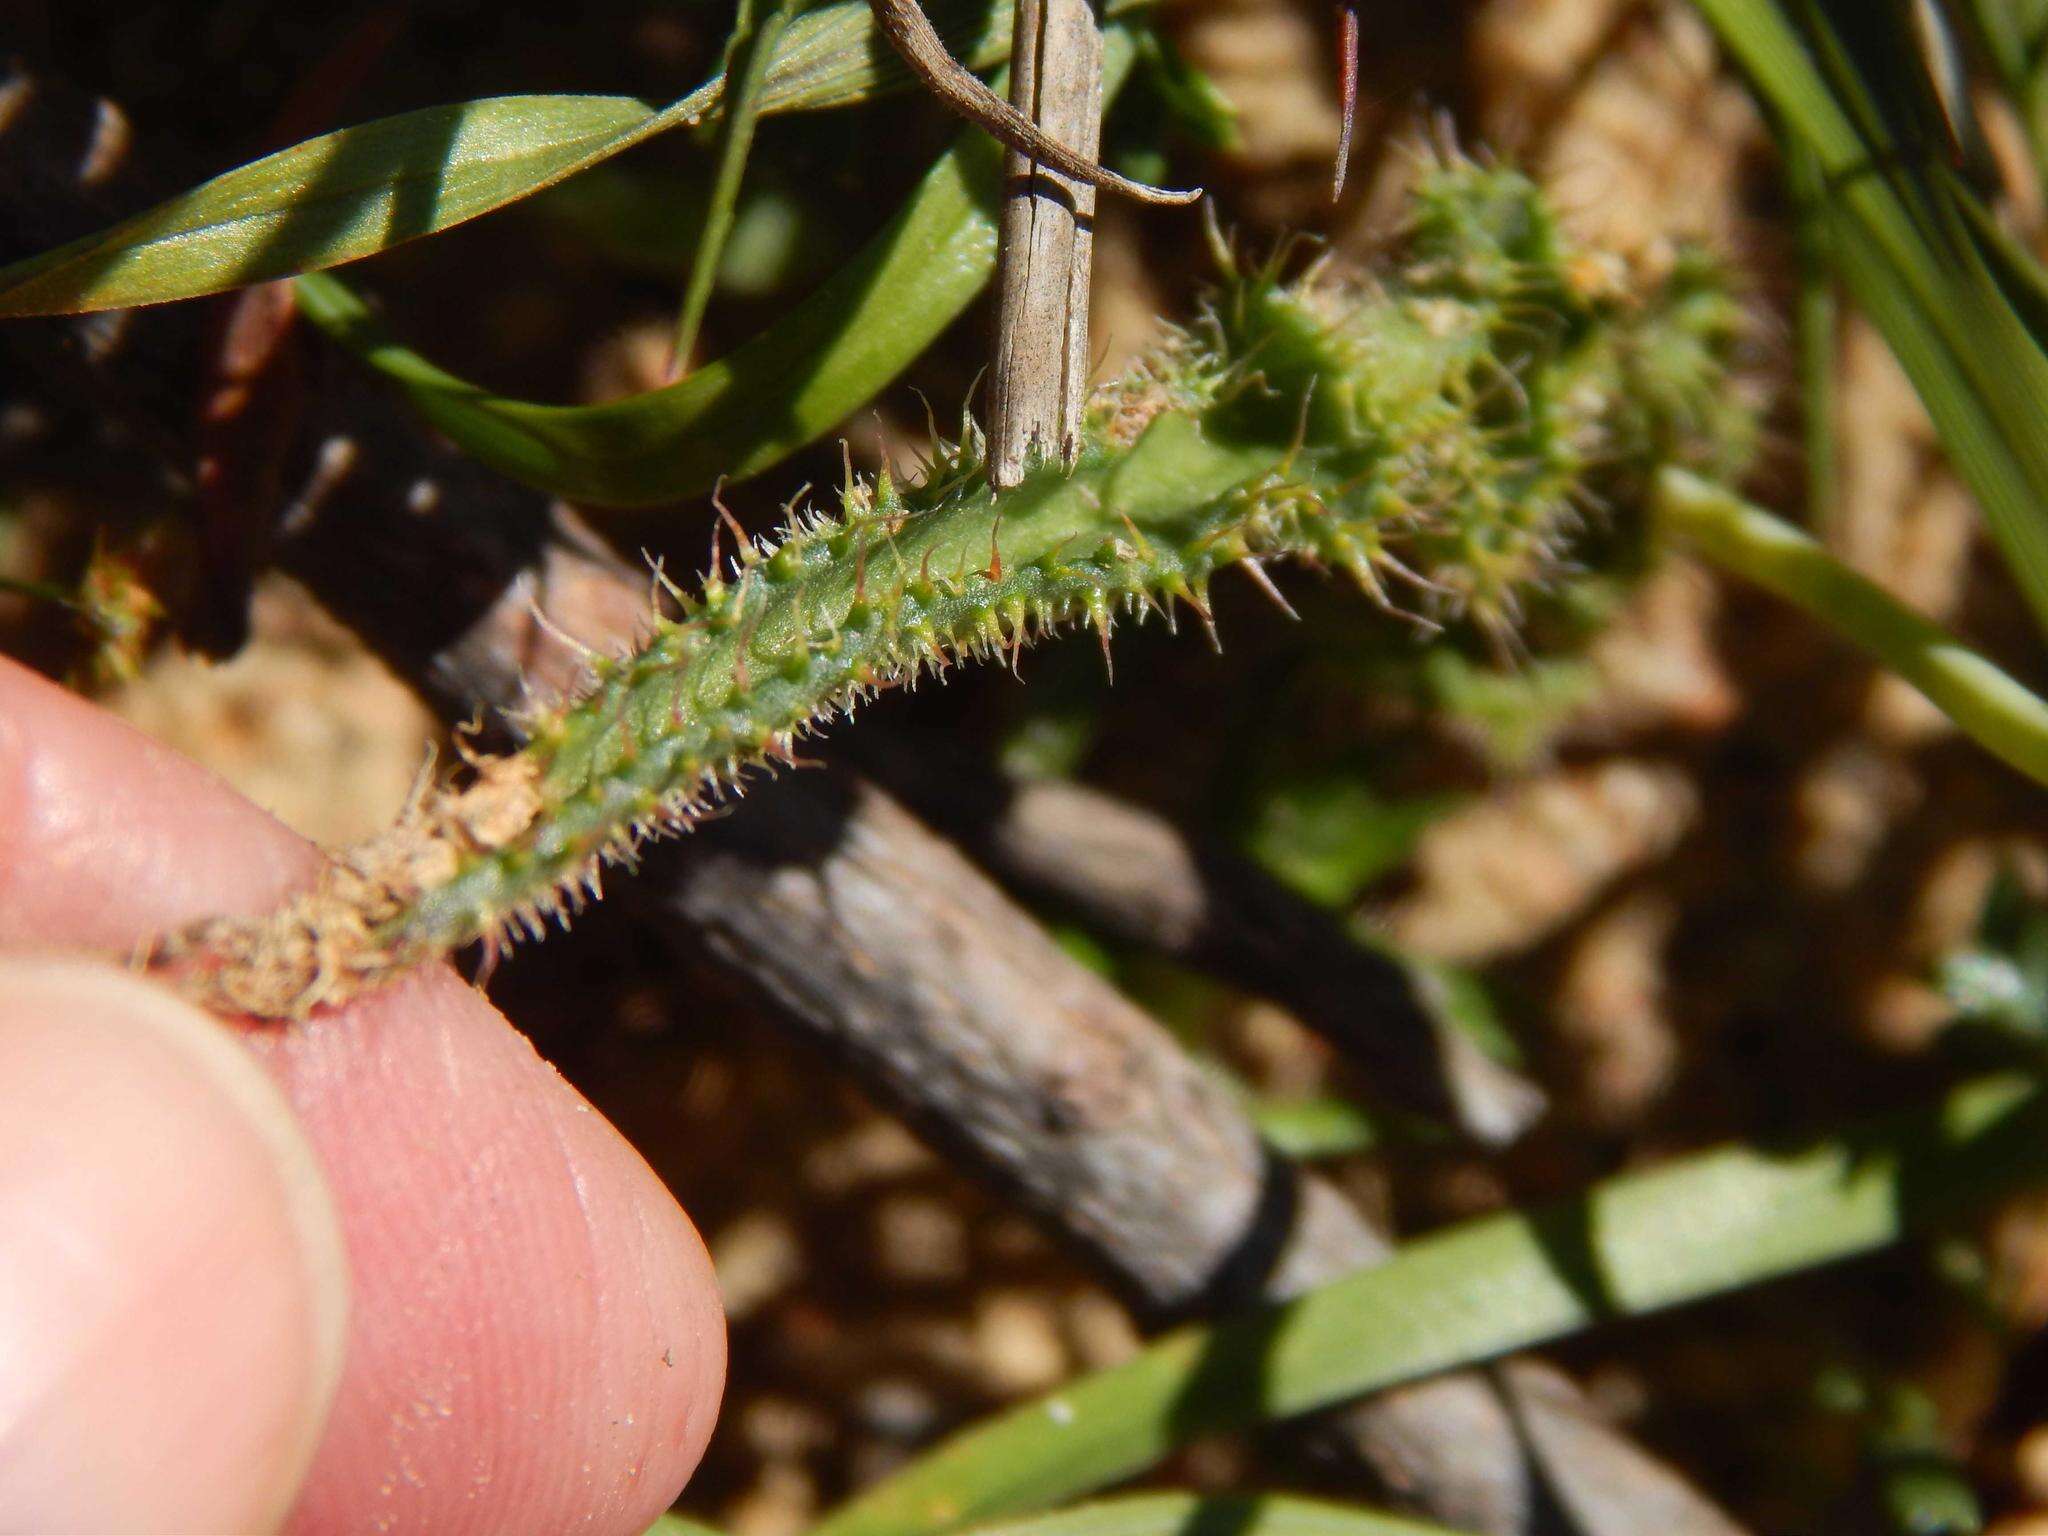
x=172 y=1282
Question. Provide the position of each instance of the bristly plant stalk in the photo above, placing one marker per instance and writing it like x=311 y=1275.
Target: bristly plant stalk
x=1437 y=435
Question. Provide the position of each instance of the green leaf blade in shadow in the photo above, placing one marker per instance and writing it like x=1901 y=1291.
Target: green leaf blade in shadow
x=745 y=412
x=331 y=199
x=748 y=55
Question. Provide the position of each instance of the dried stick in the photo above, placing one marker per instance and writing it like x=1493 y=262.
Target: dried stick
x=893 y=952
x=912 y=35
x=1046 y=245
x=1129 y=873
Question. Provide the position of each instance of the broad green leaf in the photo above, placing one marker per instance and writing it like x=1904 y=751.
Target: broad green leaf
x=357 y=191
x=1697 y=1227
x=750 y=409
x=331 y=199
x=1188 y=1514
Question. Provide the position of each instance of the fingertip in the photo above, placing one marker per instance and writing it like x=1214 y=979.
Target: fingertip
x=172 y=1330
x=538 y=1343
x=110 y=836
x=657 y=1358
x=668 y=1345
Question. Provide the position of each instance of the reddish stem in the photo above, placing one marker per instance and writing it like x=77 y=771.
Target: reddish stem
x=1347 y=87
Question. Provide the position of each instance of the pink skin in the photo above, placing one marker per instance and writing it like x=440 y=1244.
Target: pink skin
x=533 y=1337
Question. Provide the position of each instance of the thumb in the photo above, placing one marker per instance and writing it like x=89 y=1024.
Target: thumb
x=172 y=1282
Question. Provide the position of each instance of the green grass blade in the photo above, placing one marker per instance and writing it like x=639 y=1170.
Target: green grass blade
x=2011 y=265
x=2010 y=34
x=1996 y=26
x=1991 y=707
x=38 y=591
x=1908 y=256
x=1817 y=322
x=351 y=193
x=1992 y=426
x=1700 y=1226
x=1188 y=1514
x=747 y=58
x=745 y=412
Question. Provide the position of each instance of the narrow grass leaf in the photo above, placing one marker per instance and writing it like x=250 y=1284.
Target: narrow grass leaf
x=2011 y=34
x=1997 y=712
x=1909 y=257
x=747 y=57
x=744 y=412
x=1818 y=327
x=351 y=193
x=1697 y=1227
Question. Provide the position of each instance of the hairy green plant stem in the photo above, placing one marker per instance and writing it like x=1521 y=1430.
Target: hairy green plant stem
x=1436 y=437
x=1991 y=707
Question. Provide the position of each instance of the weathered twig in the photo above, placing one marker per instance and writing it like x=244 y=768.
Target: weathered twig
x=912 y=35
x=1046 y=249
x=1129 y=873
x=942 y=998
